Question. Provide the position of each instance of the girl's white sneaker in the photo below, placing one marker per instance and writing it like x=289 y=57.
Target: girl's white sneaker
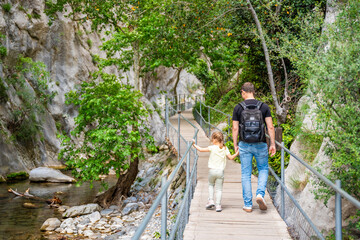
x=210 y=205
x=218 y=208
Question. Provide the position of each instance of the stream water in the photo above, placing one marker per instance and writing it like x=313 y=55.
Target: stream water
x=18 y=222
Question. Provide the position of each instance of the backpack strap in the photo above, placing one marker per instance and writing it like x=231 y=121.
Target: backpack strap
x=258 y=105
x=243 y=105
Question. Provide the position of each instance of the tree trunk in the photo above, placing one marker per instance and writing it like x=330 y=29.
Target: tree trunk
x=115 y=194
x=177 y=82
x=136 y=65
x=280 y=112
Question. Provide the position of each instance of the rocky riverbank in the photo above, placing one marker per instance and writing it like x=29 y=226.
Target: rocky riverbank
x=90 y=221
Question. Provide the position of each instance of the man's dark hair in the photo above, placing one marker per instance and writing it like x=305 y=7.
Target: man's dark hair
x=248 y=87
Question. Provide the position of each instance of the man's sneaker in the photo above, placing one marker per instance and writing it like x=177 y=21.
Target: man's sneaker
x=218 y=208
x=260 y=200
x=210 y=205
x=247 y=209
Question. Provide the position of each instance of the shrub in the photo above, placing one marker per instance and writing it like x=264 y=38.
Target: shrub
x=3 y=51
x=89 y=42
x=6 y=7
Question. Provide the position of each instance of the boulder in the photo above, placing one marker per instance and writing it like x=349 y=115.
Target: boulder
x=50 y=224
x=81 y=210
x=95 y=216
x=129 y=208
x=44 y=174
x=68 y=224
x=106 y=212
x=88 y=233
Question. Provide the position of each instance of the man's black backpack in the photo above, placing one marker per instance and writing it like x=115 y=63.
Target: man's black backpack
x=252 y=126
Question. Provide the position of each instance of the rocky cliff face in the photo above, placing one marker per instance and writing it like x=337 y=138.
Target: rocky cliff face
x=66 y=48
x=300 y=181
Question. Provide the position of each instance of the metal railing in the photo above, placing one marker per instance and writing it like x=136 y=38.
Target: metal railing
x=187 y=160
x=205 y=124
x=339 y=193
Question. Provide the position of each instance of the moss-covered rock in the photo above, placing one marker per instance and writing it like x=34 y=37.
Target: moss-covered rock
x=17 y=176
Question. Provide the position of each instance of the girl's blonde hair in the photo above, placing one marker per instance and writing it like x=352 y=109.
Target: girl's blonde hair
x=218 y=136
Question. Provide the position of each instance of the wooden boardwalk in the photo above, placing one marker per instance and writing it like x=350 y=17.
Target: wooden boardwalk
x=232 y=223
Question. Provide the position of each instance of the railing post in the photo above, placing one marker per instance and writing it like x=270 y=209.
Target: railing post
x=188 y=166
x=338 y=213
x=167 y=116
x=178 y=135
x=209 y=120
x=229 y=129
x=200 y=113
x=163 y=211
x=188 y=182
x=282 y=180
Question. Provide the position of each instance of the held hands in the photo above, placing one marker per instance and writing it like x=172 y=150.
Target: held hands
x=193 y=141
x=236 y=148
x=237 y=152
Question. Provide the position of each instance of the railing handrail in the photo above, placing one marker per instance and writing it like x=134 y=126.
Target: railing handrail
x=217 y=110
x=322 y=177
x=296 y=203
x=319 y=175
x=182 y=206
x=178 y=111
x=162 y=196
x=157 y=200
x=336 y=187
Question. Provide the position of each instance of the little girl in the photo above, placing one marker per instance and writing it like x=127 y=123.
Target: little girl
x=217 y=162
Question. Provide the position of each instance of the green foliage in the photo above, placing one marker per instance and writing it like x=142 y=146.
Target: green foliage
x=311 y=143
x=334 y=73
x=3 y=51
x=297 y=184
x=30 y=82
x=3 y=94
x=350 y=231
x=111 y=123
x=6 y=7
x=17 y=176
x=200 y=70
x=89 y=43
x=22 y=8
x=36 y=15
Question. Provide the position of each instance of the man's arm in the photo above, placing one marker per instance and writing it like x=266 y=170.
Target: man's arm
x=271 y=130
x=235 y=133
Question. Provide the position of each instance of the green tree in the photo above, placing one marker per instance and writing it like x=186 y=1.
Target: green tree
x=335 y=78
x=110 y=126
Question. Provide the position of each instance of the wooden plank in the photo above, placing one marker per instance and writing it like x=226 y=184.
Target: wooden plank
x=232 y=223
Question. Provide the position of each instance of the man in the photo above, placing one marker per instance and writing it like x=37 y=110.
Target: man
x=253 y=143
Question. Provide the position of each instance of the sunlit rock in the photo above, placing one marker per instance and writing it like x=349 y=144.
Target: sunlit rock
x=82 y=210
x=44 y=174
x=50 y=224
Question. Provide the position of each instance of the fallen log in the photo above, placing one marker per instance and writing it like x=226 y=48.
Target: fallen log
x=54 y=202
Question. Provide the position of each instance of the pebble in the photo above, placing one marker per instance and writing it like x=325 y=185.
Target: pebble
x=116 y=223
